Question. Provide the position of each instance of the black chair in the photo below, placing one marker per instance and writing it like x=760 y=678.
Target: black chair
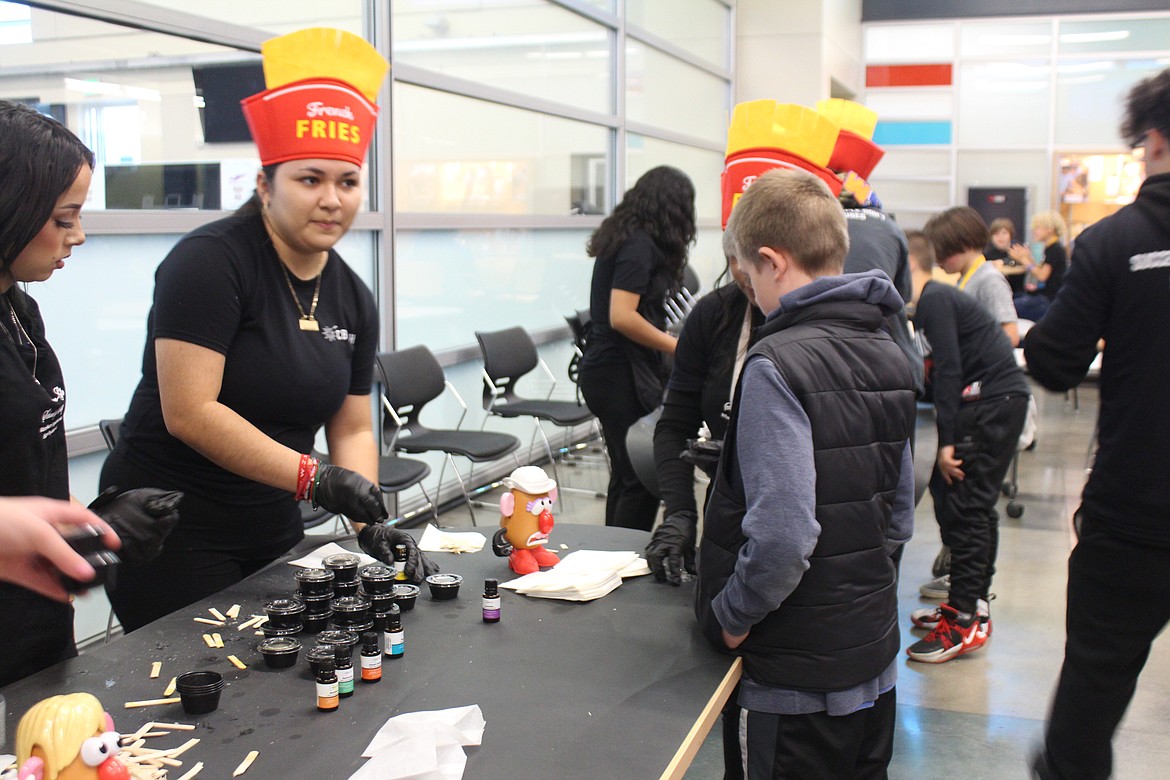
x=640 y=449
x=579 y=326
x=508 y=355
x=110 y=430
x=396 y=474
x=411 y=378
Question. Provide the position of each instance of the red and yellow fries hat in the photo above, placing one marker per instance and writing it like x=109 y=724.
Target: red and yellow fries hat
x=855 y=150
x=320 y=102
x=764 y=134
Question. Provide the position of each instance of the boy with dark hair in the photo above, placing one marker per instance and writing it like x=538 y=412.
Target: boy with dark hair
x=814 y=494
x=1118 y=289
x=980 y=400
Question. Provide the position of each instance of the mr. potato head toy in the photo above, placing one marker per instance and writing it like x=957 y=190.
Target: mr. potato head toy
x=525 y=520
x=68 y=737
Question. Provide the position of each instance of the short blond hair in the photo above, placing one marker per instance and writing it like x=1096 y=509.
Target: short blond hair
x=1053 y=221
x=58 y=725
x=794 y=211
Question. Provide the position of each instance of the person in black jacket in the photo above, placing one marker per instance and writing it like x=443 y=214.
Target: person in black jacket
x=641 y=249
x=1118 y=289
x=813 y=496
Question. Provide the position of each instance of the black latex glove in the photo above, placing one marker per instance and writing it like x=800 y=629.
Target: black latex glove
x=142 y=518
x=348 y=493
x=379 y=541
x=672 y=548
x=500 y=545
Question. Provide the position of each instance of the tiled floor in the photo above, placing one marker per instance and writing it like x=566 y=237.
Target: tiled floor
x=979 y=716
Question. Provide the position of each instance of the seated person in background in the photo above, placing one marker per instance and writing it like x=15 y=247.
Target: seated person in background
x=998 y=253
x=1045 y=276
x=958 y=236
x=814 y=494
x=980 y=399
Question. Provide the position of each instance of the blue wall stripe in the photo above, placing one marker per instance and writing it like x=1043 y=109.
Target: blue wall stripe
x=912 y=133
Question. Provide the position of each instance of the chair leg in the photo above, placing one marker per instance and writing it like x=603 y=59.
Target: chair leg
x=463 y=487
x=109 y=627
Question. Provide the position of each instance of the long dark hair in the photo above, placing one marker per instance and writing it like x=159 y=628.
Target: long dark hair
x=39 y=161
x=662 y=203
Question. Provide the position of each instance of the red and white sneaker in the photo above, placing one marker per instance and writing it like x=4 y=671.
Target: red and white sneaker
x=928 y=617
x=956 y=634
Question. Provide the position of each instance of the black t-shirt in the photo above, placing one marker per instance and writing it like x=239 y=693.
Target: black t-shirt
x=224 y=288
x=33 y=458
x=639 y=266
x=1056 y=257
x=967 y=346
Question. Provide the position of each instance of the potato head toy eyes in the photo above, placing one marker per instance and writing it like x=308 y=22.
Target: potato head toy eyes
x=526 y=520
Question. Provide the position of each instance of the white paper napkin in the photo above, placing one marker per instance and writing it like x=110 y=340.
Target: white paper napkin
x=313 y=559
x=423 y=745
x=434 y=540
x=581 y=576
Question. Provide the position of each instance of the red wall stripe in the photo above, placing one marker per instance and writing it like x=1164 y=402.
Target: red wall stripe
x=908 y=75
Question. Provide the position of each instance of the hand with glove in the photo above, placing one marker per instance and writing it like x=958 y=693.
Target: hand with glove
x=142 y=518
x=672 y=548
x=348 y=493
x=379 y=541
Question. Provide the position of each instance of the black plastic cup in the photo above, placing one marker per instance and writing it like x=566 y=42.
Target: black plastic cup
x=406 y=594
x=319 y=653
x=347 y=638
x=314 y=582
x=280 y=652
x=350 y=611
x=316 y=623
x=317 y=604
x=343 y=565
x=343 y=589
x=377 y=579
x=444 y=587
x=284 y=615
x=379 y=602
x=199 y=691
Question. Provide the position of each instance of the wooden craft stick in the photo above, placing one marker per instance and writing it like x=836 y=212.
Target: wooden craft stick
x=137 y=734
x=218 y=640
x=193 y=771
x=150 y=702
x=208 y=621
x=181 y=749
x=171 y=686
x=155 y=668
x=217 y=614
x=233 y=612
x=247 y=762
x=248 y=623
x=259 y=633
x=237 y=662
x=209 y=641
x=174 y=726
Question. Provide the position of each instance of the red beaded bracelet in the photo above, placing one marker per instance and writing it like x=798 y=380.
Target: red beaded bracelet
x=306 y=474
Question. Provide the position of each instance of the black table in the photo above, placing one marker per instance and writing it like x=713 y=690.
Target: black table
x=623 y=686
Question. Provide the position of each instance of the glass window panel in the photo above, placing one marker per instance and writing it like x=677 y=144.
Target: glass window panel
x=654 y=82
x=451 y=283
x=1114 y=35
x=1005 y=39
x=702 y=165
x=913 y=162
x=277 y=16
x=1006 y=169
x=699 y=26
x=1090 y=98
x=909 y=43
x=530 y=46
x=899 y=194
x=95 y=315
x=1003 y=104
x=911 y=103
x=473 y=156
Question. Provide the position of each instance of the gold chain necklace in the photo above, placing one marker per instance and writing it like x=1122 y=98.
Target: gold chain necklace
x=18 y=331
x=307 y=321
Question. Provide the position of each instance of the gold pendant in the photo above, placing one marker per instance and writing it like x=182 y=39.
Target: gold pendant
x=309 y=323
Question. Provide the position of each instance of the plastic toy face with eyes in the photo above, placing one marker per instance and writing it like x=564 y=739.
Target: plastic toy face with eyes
x=526 y=519
x=69 y=738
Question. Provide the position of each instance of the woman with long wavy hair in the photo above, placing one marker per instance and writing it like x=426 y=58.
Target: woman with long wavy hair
x=641 y=249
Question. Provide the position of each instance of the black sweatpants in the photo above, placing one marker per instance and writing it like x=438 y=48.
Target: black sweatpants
x=610 y=394
x=986 y=434
x=820 y=746
x=215 y=545
x=1118 y=602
